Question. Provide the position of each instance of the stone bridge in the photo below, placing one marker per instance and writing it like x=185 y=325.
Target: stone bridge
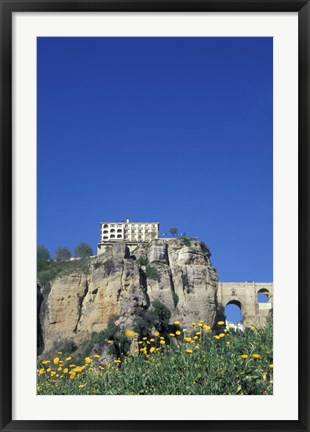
x=245 y=295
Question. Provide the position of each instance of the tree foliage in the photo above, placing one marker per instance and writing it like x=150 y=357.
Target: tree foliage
x=42 y=253
x=62 y=254
x=173 y=231
x=83 y=250
x=157 y=316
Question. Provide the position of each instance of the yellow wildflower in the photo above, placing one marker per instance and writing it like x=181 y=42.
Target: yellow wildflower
x=41 y=371
x=72 y=365
x=176 y=322
x=152 y=349
x=206 y=327
x=59 y=352
x=77 y=369
x=193 y=324
x=198 y=333
x=136 y=351
x=156 y=333
x=161 y=338
x=244 y=356
x=188 y=339
x=222 y=335
x=200 y=324
x=87 y=360
x=59 y=369
x=195 y=337
x=178 y=332
x=56 y=360
x=221 y=322
x=152 y=340
x=216 y=337
x=44 y=362
x=117 y=361
x=225 y=330
x=172 y=334
x=140 y=342
x=48 y=369
x=252 y=327
x=227 y=343
x=162 y=342
x=256 y=356
x=66 y=370
x=271 y=366
x=189 y=351
x=96 y=356
x=145 y=338
x=68 y=358
x=129 y=332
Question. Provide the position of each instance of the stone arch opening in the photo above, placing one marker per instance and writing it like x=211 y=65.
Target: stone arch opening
x=263 y=295
x=233 y=312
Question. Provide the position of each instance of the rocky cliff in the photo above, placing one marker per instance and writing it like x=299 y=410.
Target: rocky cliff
x=178 y=272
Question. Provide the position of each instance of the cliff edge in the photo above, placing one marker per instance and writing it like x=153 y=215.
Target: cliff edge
x=178 y=272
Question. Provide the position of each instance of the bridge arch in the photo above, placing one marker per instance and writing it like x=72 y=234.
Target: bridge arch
x=263 y=295
x=234 y=311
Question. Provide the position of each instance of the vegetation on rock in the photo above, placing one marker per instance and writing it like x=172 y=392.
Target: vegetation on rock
x=194 y=361
x=83 y=250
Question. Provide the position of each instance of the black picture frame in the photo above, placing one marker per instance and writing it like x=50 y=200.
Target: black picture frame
x=8 y=7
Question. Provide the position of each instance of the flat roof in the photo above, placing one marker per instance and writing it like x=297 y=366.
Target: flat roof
x=128 y=222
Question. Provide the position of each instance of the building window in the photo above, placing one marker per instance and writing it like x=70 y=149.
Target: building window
x=119 y=236
x=119 y=230
x=112 y=236
x=105 y=226
x=112 y=230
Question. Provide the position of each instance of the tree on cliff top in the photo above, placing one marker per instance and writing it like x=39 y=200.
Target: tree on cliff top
x=173 y=231
x=83 y=250
x=62 y=254
x=42 y=253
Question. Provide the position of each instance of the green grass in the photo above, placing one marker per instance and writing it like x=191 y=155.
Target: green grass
x=49 y=270
x=210 y=367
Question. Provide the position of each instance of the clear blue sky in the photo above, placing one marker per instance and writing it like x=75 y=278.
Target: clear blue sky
x=175 y=130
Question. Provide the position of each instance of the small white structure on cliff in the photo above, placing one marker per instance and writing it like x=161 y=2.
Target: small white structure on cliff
x=131 y=232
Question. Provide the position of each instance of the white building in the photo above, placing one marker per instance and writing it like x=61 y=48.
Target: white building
x=131 y=232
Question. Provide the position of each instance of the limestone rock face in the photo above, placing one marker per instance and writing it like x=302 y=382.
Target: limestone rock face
x=177 y=272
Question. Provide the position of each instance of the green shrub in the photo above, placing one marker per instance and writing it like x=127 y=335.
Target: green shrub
x=143 y=261
x=185 y=240
x=118 y=343
x=151 y=273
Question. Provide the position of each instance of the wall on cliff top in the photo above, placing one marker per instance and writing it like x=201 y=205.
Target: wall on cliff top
x=177 y=272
